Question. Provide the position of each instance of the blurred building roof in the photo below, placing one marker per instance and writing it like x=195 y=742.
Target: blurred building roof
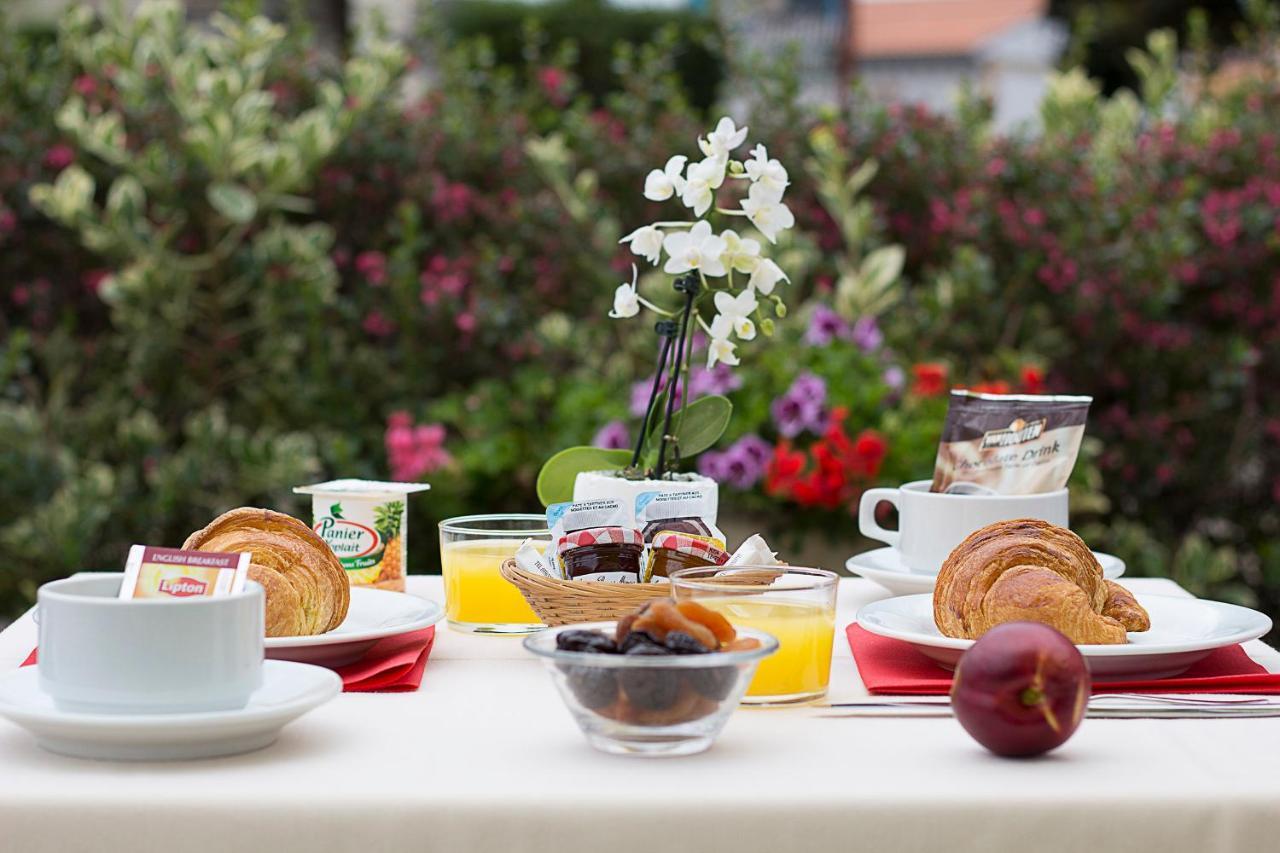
x=883 y=29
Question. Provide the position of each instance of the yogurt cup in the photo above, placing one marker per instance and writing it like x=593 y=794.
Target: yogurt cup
x=366 y=524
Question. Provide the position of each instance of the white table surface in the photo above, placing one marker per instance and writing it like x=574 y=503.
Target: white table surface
x=485 y=757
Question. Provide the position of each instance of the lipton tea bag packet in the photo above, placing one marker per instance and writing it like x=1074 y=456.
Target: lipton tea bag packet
x=152 y=572
x=679 y=531
x=594 y=540
x=1002 y=444
x=365 y=522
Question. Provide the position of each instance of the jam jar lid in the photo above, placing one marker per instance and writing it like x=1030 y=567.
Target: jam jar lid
x=694 y=546
x=599 y=536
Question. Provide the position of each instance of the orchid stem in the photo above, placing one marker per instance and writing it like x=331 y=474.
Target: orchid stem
x=667 y=330
x=689 y=285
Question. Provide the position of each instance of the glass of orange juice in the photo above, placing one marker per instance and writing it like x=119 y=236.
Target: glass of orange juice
x=477 y=599
x=795 y=605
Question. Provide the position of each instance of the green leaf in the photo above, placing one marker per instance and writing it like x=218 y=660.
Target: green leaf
x=555 y=480
x=701 y=426
x=233 y=201
x=336 y=510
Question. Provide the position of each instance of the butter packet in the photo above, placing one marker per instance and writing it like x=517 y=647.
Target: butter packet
x=531 y=559
x=152 y=572
x=687 y=512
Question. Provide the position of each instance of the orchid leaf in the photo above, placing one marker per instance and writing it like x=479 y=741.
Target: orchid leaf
x=698 y=427
x=555 y=480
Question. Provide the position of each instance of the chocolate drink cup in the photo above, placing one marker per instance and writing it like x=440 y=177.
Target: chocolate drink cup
x=931 y=524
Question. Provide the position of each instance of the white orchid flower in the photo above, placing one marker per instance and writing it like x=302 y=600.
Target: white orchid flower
x=662 y=184
x=770 y=217
x=626 y=302
x=737 y=311
x=720 y=142
x=740 y=254
x=704 y=178
x=766 y=276
x=768 y=177
x=645 y=242
x=695 y=249
x=721 y=349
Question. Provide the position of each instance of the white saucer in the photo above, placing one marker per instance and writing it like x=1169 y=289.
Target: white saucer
x=885 y=567
x=288 y=691
x=1183 y=630
x=374 y=615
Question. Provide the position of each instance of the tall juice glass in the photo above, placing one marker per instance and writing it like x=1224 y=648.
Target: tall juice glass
x=477 y=599
x=795 y=605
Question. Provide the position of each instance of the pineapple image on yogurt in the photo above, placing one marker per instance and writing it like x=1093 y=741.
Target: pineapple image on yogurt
x=365 y=523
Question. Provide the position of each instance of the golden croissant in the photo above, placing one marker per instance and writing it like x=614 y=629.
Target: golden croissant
x=1032 y=571
x=306 y=589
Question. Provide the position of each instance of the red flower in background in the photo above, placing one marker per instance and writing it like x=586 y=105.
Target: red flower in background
x=834 y=470
x=1032 y=379
x=995 y=386
x=931 y=379
x=59 y=157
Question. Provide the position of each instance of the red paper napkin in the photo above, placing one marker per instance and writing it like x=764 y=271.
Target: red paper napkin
x=892 y=666
x=393 y=665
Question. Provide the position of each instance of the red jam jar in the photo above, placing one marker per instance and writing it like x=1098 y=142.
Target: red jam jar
x=602 y=554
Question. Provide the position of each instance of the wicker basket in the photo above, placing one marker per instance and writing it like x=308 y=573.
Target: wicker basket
x=561 y=602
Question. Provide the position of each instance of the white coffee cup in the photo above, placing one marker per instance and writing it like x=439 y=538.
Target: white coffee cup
x=931 y=524
x=102 y=654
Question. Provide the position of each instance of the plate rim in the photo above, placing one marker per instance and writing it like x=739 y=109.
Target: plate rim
x=323 y=686
x=852 y=564
x=431 y=613
x=1120 y=650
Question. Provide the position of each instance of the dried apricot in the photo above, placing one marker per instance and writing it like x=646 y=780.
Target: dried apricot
x=662 y=616
x=742 y=644
x=715 y=622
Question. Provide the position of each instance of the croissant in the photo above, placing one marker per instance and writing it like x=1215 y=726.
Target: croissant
x=1030 y=570
x=306 y=589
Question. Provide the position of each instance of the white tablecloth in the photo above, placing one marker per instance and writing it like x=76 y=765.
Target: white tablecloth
x=485 y=757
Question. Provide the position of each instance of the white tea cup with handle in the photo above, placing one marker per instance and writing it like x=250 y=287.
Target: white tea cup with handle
x=931 y=524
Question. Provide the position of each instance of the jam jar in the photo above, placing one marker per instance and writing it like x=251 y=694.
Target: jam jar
x=602 y=554
x=673 y=550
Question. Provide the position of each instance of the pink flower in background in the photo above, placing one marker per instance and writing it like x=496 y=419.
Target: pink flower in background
x=373 y=266
x=451 y=202
x=8 y=221
x=552 y=81
x=612 y=436
x=376 y=324
x=465 y=322
x=59 y=157
x=85 y=86
x=413 y=451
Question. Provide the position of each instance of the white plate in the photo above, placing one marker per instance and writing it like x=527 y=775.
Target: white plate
x=288 y=691
x=374 y=615
x=1183 y=630
x=885 y=567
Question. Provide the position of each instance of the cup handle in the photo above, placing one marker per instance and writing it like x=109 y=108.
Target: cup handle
x=867 y=515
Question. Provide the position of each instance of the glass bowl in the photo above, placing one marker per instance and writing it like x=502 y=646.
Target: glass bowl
x=640 y=705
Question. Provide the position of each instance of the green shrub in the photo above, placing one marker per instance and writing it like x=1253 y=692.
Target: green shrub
x=595 y=28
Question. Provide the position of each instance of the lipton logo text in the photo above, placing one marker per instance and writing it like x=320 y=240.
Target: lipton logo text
x=183 y=587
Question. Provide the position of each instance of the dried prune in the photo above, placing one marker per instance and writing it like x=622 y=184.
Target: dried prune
x=714 y=682
x=636 y=639
x=683 y=644
x=650 y=689
x=579 y=640
x=595 y=686
x=715 y=622
x=661 y=617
